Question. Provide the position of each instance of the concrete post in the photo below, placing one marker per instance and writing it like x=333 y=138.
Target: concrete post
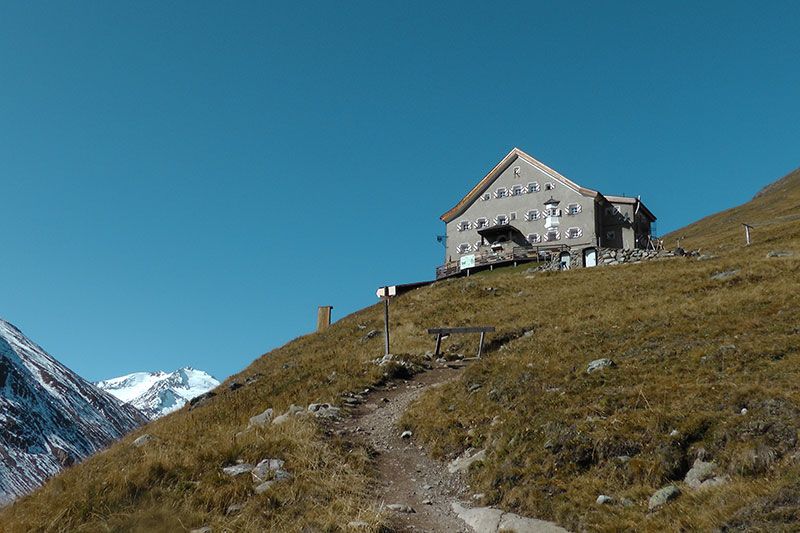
x=324 y=317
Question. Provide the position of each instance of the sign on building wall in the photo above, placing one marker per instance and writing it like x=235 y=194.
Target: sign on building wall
x=467 y=261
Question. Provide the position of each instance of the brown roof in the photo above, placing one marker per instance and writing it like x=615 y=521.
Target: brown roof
x=493 y=174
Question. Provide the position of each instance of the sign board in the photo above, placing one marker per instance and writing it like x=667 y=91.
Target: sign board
x=386 y=292
x=467 y=261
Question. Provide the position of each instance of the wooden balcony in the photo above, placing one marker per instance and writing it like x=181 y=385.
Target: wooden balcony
x=510 y=256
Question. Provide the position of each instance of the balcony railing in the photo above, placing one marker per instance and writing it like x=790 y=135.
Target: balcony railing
x=517 y=253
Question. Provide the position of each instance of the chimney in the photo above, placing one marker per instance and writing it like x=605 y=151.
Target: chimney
x=324 y=317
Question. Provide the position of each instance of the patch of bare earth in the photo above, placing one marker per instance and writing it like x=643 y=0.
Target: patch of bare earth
x=408 y=477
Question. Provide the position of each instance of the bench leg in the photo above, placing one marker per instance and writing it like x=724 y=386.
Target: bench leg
x=480 y=345
x=438 y=345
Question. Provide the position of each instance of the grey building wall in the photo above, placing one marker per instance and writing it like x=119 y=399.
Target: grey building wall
x=520 y=173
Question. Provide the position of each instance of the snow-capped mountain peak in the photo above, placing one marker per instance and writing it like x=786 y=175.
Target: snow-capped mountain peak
x=158 y=393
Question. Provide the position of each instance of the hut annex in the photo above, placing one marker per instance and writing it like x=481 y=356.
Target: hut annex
x=523 y=210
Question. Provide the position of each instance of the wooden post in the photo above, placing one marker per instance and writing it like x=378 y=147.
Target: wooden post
x=480 y=345
x=747 y=229
x=386 y=325
x=323 y=317
x=438 y=344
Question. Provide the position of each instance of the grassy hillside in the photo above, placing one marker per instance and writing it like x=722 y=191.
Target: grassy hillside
x=690 y=351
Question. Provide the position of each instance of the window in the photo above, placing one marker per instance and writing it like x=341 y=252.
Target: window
x=611 y=235
x=517 y=190
x=501 y=220
x=482 y=222
x=574 y=233
x=553 y=212
x=512 y=215
x=463 y=225
x=574 y=209
x=501 y=192
x=533 y=238
x=549 y=186
x=533 y=214
x=552 y=235
x=533 y=187
x=463 y=248
x=486 y=196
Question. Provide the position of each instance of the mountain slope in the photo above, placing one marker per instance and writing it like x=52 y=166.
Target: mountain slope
x=705 y=366
x=158 y=393
x=49 y=416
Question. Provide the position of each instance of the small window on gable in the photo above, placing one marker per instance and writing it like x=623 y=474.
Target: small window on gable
x=512 y=215
x=533 y=238
x=549 y=186
x=552 y=235
x=516 y=190
x=574 y=209
x=463 y=225
x=501 y=220
x=486 y=196
x=501 y=192
x=533 y=187
x=532 y=214
x=481 y=222
x=463 y=248
x=574 y=233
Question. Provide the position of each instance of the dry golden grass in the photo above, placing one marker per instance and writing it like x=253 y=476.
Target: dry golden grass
x=690 y=351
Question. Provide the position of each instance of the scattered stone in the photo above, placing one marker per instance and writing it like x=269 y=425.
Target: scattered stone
x=323 y=410
x=427 y=502
x=406 y=435
x=264 y=487
x=674 y=433
x=780 y=253
x=475 y=386
x=604 y=500
x=478 y=496
x=264 y=469
x=492 y=520
x=706 y=257
x=370 y=335
x=599 y=364
x=237 y=470
x=626 y=502
x=141 y=441
x=701 y=475
x=662 y=496
x=235 y=508
x=727 y=274
x=204 y=529
x=280 y=419
x=261 y=420
x=462 y=464
x=743 y=411
x=358 y=524
x=400 y=508
x=203 y=399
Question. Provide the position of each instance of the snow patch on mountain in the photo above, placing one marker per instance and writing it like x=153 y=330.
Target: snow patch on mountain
x=157 y=393
x=50 y=417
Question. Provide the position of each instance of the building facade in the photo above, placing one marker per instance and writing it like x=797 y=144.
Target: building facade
x=524 y=210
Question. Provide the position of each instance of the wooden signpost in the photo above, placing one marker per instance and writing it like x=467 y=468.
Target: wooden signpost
x=442 y=332
x=747 y=228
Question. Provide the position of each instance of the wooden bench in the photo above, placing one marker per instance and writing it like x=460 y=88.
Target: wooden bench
x=441 y=332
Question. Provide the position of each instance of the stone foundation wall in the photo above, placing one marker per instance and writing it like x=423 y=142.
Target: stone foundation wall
x=613 y=256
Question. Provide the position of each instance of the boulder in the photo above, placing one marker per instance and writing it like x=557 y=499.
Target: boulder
x=323 y=410
x=722 y=276
x=491 y=520
x=237 y=470
x=662 y=496
x=264 y=469
x=599 y=364
x=604 y=500
x=141 y=441
x=264 y=487
x=702 y=475
x=261 y=420
x=400 y=508
x=204 y=529
x=780 y=253
x=406 y=435
x=462 y=464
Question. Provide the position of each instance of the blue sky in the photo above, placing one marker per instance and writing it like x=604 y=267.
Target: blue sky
x=184 y=182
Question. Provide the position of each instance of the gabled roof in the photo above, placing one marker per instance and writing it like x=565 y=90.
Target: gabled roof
x=493 y=174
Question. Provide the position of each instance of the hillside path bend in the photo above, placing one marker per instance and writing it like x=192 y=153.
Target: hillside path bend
x=408 y=476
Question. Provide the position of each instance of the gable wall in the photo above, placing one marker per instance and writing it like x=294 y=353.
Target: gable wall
x=521 y=204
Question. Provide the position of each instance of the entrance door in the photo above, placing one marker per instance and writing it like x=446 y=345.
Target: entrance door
x=565 y=259
x=589 y=257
